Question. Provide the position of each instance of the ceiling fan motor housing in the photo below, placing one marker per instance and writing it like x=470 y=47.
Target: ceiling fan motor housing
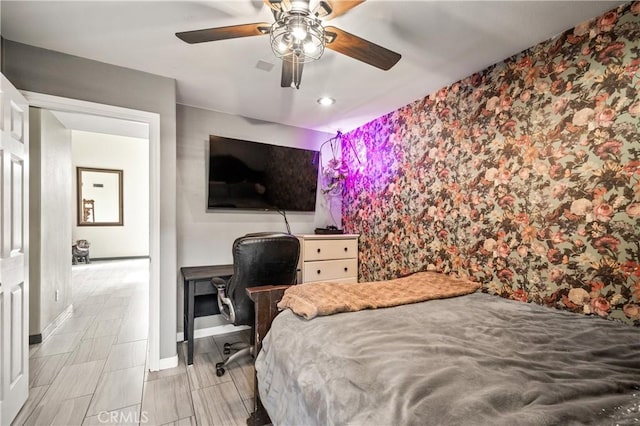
x=300 y=6
x=297 y=36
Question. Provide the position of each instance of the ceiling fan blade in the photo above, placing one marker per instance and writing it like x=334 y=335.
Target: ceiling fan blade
x=278 y=5
x=360 y=49
x=224 y=33
x=340 y=7
x=322 y=9
x=291 y=73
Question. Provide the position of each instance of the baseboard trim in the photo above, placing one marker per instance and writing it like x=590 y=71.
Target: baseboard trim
x=119 y=258
x=213 y=331
x=56 y=322
x=170 y=362
x=34 y=339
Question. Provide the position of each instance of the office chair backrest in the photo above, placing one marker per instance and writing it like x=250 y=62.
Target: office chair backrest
x=260 y=259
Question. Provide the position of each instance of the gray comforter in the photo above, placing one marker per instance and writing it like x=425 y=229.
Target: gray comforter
x=470 y=360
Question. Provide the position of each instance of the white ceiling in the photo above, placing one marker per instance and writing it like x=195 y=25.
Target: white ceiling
x=102 y=124
x=440 y=43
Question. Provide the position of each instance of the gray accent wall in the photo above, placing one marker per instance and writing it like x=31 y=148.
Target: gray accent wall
x=1 y=39
x=49 y=210
x=45 y=71
x=205 y=237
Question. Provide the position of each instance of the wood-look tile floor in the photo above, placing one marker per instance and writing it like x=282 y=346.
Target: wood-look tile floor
x=92 y=370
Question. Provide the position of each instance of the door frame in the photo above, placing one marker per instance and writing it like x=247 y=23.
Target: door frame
x=58 y=103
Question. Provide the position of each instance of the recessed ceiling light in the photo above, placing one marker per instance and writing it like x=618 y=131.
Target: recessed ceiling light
x=326 y=101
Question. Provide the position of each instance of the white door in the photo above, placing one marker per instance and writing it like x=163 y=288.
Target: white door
x=14 y=238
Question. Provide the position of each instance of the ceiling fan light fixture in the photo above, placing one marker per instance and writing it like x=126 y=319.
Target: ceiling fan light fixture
x=299 y=30
x=297 y=37
x=309 y=46
x=282 y=48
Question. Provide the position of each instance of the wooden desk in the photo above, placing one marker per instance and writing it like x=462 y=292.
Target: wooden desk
x=200 y=297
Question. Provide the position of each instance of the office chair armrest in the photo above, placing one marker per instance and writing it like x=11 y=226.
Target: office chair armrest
x=218 y=282
x=224 y=303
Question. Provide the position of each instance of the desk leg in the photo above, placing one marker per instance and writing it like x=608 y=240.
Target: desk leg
x=190 y=321
x=185 y=309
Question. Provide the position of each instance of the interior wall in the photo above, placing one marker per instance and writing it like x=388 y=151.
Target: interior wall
x=35 y=155
x=131 y=155
x=524 y=177
x=205 y=238
x=49 y=210
x=1 y=39
x=53 y=73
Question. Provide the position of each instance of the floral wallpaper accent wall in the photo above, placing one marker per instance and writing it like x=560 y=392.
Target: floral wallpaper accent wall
x=524 y=177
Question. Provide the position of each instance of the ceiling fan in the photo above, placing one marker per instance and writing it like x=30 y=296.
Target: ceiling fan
x=298 y=36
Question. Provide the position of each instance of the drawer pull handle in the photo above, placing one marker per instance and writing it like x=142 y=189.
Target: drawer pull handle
x=345 y=249
x=318 y=270
x=346 y=269
x=318 y=250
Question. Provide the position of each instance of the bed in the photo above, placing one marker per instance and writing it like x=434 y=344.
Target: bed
x=469 y=360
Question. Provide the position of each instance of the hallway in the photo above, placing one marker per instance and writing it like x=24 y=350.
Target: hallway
x=93 y=367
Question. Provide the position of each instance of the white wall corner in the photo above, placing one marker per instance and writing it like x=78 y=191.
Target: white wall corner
x=166 y=363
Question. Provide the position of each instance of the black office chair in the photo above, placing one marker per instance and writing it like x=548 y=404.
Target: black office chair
x=265 y=258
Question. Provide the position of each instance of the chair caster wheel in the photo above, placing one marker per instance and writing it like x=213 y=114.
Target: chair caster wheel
x=226 y=351
x=219 y=369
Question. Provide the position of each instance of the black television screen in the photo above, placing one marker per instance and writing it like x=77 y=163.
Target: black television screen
x=253 y=175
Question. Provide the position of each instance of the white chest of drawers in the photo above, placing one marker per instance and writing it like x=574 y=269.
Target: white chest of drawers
x=328 y=258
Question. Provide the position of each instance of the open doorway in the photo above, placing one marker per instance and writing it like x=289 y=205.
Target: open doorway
x=110 y=228
x=110 y=186
x=152 y=123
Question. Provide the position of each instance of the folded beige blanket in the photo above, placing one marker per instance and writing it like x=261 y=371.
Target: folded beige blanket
x=321 y=298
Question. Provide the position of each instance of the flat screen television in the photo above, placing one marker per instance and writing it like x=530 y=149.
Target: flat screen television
x=260 y=176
